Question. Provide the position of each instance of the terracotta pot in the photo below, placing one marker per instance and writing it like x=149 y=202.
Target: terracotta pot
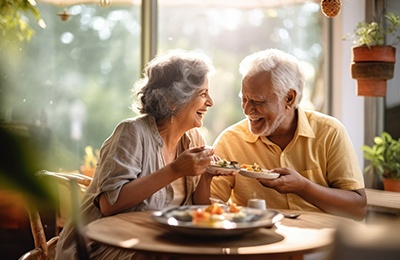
x=391 y=185
x=374 y=53
x=372 y=67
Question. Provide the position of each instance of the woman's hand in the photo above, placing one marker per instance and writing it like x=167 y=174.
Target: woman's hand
x=193 y=161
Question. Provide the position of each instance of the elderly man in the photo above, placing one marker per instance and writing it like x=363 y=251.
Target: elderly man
x=312 y=152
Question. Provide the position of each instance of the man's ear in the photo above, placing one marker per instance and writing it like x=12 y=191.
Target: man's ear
x=290 y=97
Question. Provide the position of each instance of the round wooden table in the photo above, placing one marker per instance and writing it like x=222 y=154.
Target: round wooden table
x=288 y=239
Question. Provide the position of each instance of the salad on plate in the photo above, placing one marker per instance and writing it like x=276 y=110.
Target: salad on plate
x=224 y=167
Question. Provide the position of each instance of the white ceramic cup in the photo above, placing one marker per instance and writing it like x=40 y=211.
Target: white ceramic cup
x=257 y=204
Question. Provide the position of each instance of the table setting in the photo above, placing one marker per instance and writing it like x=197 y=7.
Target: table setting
x=221 y=229
x=198 y=221
x=172 y=234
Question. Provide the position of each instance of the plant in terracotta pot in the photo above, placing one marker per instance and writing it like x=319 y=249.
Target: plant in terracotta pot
x=385 y=160
x=90 y=161
x=372 y=60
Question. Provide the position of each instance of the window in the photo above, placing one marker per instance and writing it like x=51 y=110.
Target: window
x=70 y=85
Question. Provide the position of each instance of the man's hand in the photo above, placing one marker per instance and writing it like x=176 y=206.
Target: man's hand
x=289 y=181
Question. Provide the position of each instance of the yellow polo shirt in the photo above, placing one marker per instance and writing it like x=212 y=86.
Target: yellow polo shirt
x=321 y=151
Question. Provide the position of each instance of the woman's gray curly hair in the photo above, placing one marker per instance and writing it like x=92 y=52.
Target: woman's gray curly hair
x=284 y=69
x=170 y=81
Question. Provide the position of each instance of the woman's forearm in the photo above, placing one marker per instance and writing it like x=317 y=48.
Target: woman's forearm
x=201 y=195
x=135 y=192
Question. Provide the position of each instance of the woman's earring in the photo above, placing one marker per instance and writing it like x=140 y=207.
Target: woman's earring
x=172 y=119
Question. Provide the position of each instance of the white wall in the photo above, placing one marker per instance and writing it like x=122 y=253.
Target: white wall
x=393 y=90
x=347 y=107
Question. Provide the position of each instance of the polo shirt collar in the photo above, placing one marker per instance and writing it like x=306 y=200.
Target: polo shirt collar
x=303 y=126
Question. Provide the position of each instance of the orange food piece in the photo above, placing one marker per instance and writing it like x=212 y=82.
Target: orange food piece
x=233 y=208
x=254 y=168
x=200 y=216
x=214 y=209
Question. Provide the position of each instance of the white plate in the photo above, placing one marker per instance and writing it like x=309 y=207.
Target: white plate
x=178 y=220
x=223 y=170
x=265 y=174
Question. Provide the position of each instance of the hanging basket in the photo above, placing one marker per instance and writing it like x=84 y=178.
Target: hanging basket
x=372 y=67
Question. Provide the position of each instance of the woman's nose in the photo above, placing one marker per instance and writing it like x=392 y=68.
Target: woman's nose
x=209 y=101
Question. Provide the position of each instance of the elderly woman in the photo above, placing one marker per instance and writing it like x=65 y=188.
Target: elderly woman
x=155 y=160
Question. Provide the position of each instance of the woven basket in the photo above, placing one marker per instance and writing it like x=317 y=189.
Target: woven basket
x=331 y=8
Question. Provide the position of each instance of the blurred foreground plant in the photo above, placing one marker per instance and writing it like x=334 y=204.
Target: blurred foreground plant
x=17 y=169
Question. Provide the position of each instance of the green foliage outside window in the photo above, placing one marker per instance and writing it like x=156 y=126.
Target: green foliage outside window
x=12 y=22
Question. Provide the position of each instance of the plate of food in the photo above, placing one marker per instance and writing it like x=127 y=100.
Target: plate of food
x=224 y=167
x=215 y=220
x=256 y=172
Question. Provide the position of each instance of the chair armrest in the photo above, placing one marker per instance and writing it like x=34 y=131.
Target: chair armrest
x=78 y=177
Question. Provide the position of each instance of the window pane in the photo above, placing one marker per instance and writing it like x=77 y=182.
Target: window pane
x=70 y=84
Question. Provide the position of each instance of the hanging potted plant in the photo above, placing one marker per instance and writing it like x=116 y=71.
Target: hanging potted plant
x=373 y=61
x=385 y=160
